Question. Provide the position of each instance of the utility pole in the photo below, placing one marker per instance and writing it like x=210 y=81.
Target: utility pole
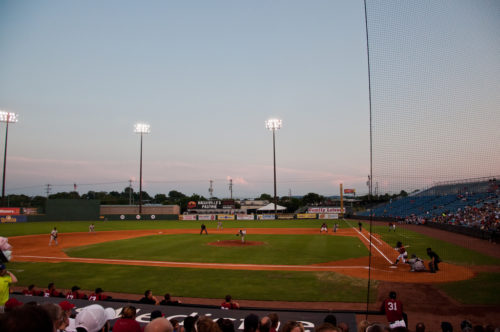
x=130 y=192
x=47 y=190
x=231 y=187
x=211 y=189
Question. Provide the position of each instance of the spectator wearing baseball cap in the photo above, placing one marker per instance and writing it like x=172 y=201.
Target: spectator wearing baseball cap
x=75 y=294
x=6 y=278
x=94 y=318
x=11 y=304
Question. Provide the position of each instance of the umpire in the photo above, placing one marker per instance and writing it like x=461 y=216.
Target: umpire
x=435 y=260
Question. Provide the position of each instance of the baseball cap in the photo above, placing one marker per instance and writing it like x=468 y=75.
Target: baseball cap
x=66 y=306
x=12 y=303
x=75 y=288
x=2 y=266
x=94 y=317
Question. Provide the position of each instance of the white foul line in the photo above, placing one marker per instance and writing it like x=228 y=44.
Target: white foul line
x=196 y=265
x=374 y=246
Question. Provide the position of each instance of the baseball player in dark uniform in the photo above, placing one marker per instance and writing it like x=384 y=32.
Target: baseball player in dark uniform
x=435 y=260
x=203 y=229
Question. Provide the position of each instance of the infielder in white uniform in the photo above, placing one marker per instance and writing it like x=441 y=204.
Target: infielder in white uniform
x=53 y=236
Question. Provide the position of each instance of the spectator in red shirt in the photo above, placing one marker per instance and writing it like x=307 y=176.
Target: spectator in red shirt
x=98 y=295
x=75 y=294
x=127 y=322
x=393 y=310
x=229 y=303
x=31 y=291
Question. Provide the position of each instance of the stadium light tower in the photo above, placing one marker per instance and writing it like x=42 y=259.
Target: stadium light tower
x=141 y=128
x=6 y=117
x=273 y=125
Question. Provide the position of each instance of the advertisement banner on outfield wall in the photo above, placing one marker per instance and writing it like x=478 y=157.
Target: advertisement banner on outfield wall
x=286 y=216
x=328 y=216
x=187 y=217
x=206 y=217
x=325 y=210
x=225 y=217
x=9 y=211
x=9 y=218
x=265 y=217
x=244 y=217
x=306 y=216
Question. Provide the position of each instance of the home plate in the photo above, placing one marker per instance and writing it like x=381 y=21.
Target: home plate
x=393 y=267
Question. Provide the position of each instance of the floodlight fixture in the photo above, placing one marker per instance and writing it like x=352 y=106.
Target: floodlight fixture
x=273 y=125
x=7 y=117
x=141 y=128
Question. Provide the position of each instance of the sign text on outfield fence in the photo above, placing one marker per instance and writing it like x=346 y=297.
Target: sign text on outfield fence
x=325 y=210
x=306 y=216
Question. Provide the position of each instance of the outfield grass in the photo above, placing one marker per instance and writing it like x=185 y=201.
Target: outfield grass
x=16 y=229
x=276 y=249
x=205 y=283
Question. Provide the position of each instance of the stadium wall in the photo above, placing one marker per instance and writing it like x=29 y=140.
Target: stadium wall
x=134 y=209
x=71 y=209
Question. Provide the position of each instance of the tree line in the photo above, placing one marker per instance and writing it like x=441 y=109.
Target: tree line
x=174 y=197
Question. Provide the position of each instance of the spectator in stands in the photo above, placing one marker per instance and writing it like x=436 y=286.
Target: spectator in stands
x=32 y=291
x=94 y=318
x=446 y=327
x=59 y=318
x=127 y=322
x=189 y=323
x=251 y=323
x=159 y=325
x=225 y=325
x=343 y=326
x=149 y=298
x=26 y=318
x=98 y=295
x=67 y=308
x=331 y=319
x=206 y=324
x=11 y=304
x=176 y=326
x=156 y=314
x=6 y=279
x=363 y=325
x=327 y=327
x=51 y=291
x=275 y=321
x=167 y=300
x=466 y=326
x=229 y=303
x=265 y=324
x=293 y=326
x=75 y=294
x=420 y=327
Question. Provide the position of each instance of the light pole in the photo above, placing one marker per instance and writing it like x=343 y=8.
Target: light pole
x=141 y=128
x=6 y=117
x=273 y=125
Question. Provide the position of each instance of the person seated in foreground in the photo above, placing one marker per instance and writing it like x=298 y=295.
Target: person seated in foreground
x=149 y=298
x=229 y=303
x=167 y=300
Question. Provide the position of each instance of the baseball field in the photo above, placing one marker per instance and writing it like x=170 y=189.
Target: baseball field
x=279 y=261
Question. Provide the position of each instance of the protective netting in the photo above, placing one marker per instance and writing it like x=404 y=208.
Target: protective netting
x=435 y=92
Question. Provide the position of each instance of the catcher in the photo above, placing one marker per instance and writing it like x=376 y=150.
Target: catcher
x=416 y=264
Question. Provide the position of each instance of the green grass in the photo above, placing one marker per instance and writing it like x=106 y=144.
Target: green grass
x=418 y=243
x=483 y=289
x=276 y=249
x=16 y=229
x=206 y=283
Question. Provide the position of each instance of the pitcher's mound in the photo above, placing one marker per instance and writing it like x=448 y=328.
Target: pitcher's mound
x=235 y=243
